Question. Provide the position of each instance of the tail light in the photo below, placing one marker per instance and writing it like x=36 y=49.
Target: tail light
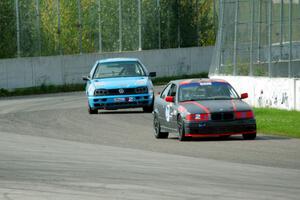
x=244 y=114
x=198 y=117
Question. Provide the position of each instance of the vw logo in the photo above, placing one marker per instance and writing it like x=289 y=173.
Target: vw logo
x=121 y=91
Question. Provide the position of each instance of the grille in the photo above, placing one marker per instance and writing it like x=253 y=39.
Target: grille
x=222 y=116
x=122 y=91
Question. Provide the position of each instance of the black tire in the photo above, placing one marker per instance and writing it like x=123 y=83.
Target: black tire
x=148 y=109
x=157 y=131
x=249 y=136
x=181 y=130
x=93 y=111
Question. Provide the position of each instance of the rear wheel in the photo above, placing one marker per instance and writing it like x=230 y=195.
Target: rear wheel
x=93 y=111
x=249 y=136
x=181 y=130
x=158 y=134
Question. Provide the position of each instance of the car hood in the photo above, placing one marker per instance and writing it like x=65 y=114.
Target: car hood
x=120 y=82
x=211 y=106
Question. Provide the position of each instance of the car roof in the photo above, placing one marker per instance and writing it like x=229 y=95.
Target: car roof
x=117 y=60
x=197 y=80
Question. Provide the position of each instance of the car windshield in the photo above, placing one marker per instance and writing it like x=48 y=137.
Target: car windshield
x=206 y=91
x=118 y=69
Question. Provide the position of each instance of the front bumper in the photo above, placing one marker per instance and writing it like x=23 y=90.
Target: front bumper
x=220 y=128
x=120 y=101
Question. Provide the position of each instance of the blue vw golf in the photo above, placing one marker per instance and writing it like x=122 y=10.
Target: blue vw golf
x=118 y=83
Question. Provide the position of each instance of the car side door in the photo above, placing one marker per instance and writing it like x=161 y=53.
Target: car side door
x=171 y=109
x=161 y=105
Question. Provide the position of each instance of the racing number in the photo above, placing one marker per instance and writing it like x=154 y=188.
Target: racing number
x=168 y=113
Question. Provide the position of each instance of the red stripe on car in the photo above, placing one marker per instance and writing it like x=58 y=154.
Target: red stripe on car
x=199 y=105
x=186 y=82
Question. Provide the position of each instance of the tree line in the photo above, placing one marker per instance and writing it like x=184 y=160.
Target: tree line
x=54 y=27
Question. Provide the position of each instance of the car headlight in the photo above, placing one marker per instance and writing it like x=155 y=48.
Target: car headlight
x=151 y=90
x=100 y=92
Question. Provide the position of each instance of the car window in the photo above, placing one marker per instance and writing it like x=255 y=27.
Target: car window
x=206 y=91
x=118 y=69
x=165 y=91
x=172 y=91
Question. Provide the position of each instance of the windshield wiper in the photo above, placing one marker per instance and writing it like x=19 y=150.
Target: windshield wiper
x=193 y=100
x=220 y=98
x=188 y=100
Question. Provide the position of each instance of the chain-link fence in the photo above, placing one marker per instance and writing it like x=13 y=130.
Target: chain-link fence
x=54 y=27
x=258 y=38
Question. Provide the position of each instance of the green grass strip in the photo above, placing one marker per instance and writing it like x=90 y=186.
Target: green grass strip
x=165 y=80
x=278 y=122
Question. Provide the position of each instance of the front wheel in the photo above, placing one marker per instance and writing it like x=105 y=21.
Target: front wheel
x=92 y=111
x=181 y=130
x=249 y=136
x=158 y=134
x=148 y=109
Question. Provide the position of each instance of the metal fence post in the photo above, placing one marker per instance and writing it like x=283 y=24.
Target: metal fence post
x=221 y=25
x=120 y=25
x=281 y=28
x=79 y=26
x=158 y=16
x=197 y=21
x=178 y=23
x=270 y=38
x=252 y=37
x=235 y=36
x=18 y=28
x=140 y=24
x=258 y=31
x=290 y=39
x=214 y=17
x=38 y=26
x=100 y=26
x=58 y=27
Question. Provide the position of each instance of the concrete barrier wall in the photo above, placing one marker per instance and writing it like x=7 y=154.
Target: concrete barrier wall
x=58 y=70
x=282 y=93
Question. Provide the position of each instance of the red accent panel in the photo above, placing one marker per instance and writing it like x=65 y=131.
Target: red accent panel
x=244 y=96
x=185 y=82
x=216 y=135
x=169 y=99
x=244 y=114
x=220 y=81
x=198 y=117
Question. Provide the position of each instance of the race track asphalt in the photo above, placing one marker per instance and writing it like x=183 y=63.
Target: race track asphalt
x=51 y=148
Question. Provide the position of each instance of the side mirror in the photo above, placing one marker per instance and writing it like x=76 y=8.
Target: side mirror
x=152 y=74
x=169 y=99
x=86 y=78
x=244 y=96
